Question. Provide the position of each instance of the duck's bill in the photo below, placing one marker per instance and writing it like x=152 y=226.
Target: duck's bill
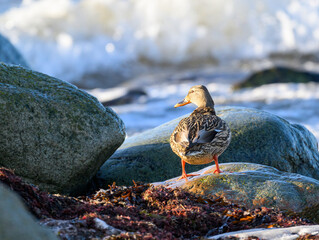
x=182 y=103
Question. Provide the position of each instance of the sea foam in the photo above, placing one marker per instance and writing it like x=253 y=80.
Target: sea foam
x=68 y=38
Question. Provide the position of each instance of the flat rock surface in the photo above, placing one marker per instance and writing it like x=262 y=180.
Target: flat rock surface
x=51 y=133
x=257 y=136
x=253 y=185
x=290 y=233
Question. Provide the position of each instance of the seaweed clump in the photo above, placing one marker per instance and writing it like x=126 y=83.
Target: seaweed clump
x=143 y=211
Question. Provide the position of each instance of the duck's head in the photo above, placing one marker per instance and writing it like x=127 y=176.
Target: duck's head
x=198 y=95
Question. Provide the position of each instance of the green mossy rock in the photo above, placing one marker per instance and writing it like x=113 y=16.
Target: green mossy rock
x=278 y=75
x=257 y=137
x=16 y=222
x=254 y=185
x=9 y=54
x=51 y=133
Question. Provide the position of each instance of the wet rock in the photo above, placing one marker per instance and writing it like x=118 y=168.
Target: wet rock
x=9 y=54
x=51 y=133
x=253 y=185
x=278 y=75
x=16 y=222
x=257 y=137
x=127 y=97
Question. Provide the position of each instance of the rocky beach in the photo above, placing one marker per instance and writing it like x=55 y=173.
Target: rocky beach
x=87 y=109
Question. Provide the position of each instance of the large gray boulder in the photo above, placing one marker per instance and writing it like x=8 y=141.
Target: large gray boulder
x=253 y=185
x=9 y=54
x=257 y=137
x=16 y=222
x=51 y=133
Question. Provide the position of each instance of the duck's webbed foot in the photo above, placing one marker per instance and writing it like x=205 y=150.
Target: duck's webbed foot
x=211 y=170
x=184 y=175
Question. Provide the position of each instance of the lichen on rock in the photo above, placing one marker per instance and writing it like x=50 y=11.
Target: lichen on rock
x=253 y=185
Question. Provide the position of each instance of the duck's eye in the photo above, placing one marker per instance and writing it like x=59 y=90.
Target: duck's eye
x=191 y=91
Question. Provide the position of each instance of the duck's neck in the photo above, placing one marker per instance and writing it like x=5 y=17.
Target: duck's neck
x=205 y=111
x=207 y=102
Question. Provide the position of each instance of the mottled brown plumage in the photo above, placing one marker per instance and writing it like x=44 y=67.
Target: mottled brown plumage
x=203 y=136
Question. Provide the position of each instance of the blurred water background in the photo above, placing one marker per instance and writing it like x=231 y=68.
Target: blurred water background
x=156 y=50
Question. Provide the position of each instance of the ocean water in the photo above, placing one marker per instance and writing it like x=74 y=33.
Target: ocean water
x=72 y=38
x=164 y=47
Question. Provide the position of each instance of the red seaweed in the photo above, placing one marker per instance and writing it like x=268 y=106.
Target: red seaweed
x=143 y=211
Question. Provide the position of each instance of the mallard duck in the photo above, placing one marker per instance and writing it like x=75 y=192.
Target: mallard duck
x=201 y=137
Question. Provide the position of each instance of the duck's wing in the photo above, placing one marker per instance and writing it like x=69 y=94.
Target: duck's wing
x=206 y=129
x=196 y=130
x=181 y=133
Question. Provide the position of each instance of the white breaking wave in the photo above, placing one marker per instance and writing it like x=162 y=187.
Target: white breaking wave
x=68 y=39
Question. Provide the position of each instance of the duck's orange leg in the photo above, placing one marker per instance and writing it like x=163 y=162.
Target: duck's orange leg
x=184 y=175
x=217 y=170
